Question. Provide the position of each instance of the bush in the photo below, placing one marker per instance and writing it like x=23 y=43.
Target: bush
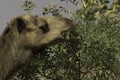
x=91 y=52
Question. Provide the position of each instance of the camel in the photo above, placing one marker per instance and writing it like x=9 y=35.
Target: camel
x=24 y=36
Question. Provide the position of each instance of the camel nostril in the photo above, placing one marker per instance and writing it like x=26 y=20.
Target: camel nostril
x=68 y=20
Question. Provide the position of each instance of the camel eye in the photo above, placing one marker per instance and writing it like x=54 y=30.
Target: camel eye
x=44 y=28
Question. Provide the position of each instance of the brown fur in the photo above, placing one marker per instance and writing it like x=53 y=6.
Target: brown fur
x=23 y=36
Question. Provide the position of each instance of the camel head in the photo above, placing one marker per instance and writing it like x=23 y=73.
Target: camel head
x=35 y=32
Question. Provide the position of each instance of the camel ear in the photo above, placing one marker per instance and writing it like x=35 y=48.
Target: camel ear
x=19 y=23
x=6 y=31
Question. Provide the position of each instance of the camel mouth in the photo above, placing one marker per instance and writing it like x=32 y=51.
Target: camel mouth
x=65 y=34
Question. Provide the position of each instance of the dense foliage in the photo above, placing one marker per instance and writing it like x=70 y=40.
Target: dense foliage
x=90 y=52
